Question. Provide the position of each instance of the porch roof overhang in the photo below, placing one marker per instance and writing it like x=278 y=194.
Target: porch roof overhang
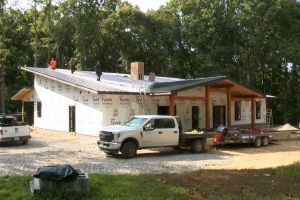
x=21 y=94
x=220 y=83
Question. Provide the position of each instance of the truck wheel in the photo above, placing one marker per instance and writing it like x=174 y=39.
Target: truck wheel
x=257 y=142
x=197 y=146
x=265 y=141
x=24 y=141
x=128 y=149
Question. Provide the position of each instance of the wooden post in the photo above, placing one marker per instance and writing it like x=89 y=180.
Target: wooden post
x=207 y=108
x=171 y=105
x=252 y=113
x=22 y=111
x=228 y=106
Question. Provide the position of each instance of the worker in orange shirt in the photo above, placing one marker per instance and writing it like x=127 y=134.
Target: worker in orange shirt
x=53 y=63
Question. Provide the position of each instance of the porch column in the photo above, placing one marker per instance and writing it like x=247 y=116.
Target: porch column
x=171 y=106
x=252 y=113
x=207 y=108
x=228 y=106
x=22 y=111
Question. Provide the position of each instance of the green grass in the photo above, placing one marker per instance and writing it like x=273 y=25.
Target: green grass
x=290 y=170
x=102 y=187
x=282 y=183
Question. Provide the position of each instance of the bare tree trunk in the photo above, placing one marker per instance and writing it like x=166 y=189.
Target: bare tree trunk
x=49 y=29
x=35 y=56
x=2 y=66
x=250 y=69
x=298 y=98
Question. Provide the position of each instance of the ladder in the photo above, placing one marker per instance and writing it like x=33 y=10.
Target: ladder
x=269 y=118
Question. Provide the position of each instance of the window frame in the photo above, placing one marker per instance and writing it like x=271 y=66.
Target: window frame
x=237 y=110
x=258 y=109
x=39 y=109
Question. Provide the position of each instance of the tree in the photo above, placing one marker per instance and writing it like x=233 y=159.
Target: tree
x=2 y=66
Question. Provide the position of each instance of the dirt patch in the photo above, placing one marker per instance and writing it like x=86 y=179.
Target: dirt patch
x=247 y=157
x=240 y=184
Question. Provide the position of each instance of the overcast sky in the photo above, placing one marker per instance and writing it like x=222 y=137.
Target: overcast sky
x=148 y=4
x=143 y=4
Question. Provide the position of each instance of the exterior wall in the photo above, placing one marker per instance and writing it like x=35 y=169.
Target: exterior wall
x=93 y=111
x=195 y=92
x=246 y=112
x=56 y=99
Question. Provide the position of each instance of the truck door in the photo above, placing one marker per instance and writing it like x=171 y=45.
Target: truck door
x=162 y=133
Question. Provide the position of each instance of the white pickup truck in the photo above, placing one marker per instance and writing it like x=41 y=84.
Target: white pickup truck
x=13 y=131
x=148 y=131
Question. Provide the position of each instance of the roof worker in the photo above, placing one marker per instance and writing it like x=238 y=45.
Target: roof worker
x=72 y=65
x=53 y=64
x=98 y=70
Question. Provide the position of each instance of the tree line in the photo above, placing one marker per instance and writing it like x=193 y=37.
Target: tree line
x=255 y=42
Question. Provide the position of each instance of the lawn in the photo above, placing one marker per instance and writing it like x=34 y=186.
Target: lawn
x=280 y=183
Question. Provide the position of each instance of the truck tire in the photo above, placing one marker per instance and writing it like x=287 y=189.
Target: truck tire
x=257 y=142
x=265 y=141
x=128 y=149
x=197 y=146
x=24 y=141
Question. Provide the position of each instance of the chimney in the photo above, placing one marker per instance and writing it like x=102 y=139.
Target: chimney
x=151 y=76
x=137 y=71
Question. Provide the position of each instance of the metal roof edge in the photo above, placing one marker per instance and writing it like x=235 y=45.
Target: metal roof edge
x=62 y=81
x=201 y=84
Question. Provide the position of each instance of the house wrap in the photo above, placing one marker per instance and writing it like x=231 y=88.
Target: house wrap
x=79 y=103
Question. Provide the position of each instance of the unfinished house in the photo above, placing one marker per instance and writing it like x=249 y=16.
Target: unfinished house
x=78 y=103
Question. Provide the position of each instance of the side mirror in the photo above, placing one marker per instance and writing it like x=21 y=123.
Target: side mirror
x=148 y=127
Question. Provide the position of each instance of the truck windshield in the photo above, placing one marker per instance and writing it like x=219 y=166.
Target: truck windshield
x=135 y=122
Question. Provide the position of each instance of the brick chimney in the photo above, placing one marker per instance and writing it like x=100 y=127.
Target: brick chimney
x=137 y=71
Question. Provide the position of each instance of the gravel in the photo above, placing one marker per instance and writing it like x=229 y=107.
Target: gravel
x=51 y=148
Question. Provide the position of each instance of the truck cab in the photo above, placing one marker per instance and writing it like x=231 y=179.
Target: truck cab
x=142 y=131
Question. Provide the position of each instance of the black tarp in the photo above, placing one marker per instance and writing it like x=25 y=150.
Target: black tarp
x=56 y=173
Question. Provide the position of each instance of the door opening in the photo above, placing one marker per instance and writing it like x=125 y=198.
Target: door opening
x=72 y=124
x=164 y=110
x=219 y=116
x=195 y=117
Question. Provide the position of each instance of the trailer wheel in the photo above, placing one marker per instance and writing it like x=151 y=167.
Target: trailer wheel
x=257 y=142
x=129 y=149
x=265 y=141
x=197 y=146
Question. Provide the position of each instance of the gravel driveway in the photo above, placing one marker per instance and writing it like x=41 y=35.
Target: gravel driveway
x=48 y=148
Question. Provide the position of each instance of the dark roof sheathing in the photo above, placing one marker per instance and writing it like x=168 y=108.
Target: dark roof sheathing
x=124 y=85
x=79 y=82
x=182 y=85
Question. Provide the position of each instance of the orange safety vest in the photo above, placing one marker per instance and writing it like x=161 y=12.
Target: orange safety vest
x=53 y=64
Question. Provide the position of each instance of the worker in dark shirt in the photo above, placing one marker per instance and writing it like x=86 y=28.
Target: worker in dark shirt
x=98 y=70
x=72 y=65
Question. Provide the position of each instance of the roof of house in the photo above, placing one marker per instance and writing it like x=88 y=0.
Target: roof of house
x=122 y=83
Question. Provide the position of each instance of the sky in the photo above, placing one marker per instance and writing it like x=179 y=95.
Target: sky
x=144 y=5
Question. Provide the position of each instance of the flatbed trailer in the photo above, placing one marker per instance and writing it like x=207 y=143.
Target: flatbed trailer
x=197 y=141
x=242 y=136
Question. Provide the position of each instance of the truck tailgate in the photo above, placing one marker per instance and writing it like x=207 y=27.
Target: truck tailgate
x=15 y=131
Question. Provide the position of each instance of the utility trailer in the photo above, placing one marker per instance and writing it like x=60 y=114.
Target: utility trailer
x=258 y=138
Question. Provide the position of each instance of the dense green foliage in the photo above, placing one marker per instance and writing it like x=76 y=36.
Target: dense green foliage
x=253 y=41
